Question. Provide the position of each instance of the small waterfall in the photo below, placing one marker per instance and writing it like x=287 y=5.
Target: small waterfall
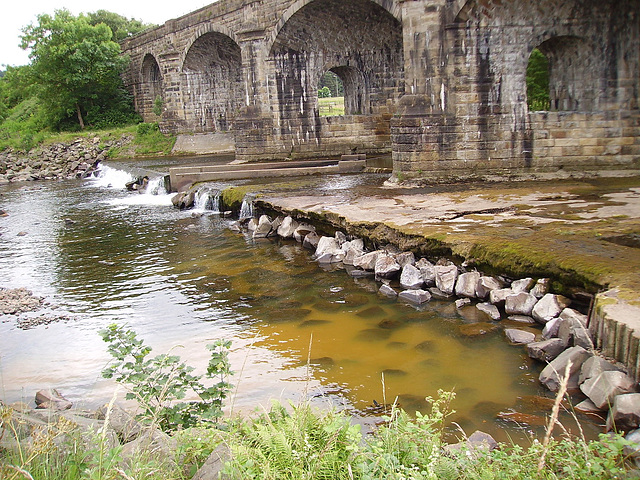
x=207 y=199
x=246 y=210
x=157 y=186
x=109 y=177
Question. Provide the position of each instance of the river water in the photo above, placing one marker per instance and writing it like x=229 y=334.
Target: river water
x=99 y=254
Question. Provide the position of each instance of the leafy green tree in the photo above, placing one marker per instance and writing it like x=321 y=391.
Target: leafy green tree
x=75 y=65
x=538 y=81
x=324 y=92
x=121 y=27
x=333 y=83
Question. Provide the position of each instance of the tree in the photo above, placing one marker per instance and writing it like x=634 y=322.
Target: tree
x=76 y=65
x=538 y=81
x=121 y=27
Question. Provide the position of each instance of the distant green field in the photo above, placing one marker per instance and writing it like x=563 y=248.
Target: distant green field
x=331 y=106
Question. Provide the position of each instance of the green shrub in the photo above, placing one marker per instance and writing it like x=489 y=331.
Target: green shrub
x=158 y=383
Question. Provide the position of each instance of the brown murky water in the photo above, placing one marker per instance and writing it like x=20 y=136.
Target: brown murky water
x=180 y=281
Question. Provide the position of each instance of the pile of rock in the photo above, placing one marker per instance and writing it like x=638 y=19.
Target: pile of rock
x=58 y=161
x=564 y=338
x=18 y=300
x=54 y=419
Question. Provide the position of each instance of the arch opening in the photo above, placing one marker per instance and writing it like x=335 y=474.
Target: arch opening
x=571 y=69
x=330 y=95
x=152 y=88
x=538 y=82
x=213 y=90
x=358 y=41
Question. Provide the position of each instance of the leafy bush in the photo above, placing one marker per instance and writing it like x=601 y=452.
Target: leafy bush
x=158 y=383
x=324 y=92
x=147 y=128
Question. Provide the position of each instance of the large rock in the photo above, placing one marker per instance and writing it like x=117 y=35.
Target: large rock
x=215 y=463
x=287 y=227
x=416 y=297
x=551 y=328
x=549 y=307
x=541 y=288
x=446 y=277
x=518 y=336
x=387 y=291
x=411 y=278
x=264 y=227
x=466 y=284
x=352 y=250
x=486 y=285
x=155 y=445
x=520 y=304
x=52 y=399
x=625 y=414
x=405 y=258
x=552 y=375
x=499 y=296
x=311 y=241
x=572 y=329
x=124 y=423
x=367 y=261
x=546 y=350
x=594 y=367
x=603 y=388
x=328 y=251
x=386 y=267
x=428 y=272
x=522 y=285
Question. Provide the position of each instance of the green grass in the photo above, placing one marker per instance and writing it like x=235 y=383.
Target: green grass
x=331 y=106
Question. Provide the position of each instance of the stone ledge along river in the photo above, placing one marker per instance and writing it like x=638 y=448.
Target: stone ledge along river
x=99 y=254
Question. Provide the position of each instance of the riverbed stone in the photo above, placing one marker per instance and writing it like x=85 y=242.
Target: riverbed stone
x=328 y=251
x=491 y=310
x=411 y=278
x=552 y=375
x=340 y=237
x=288 y=226
x=486 y=285
x=123 y=422
x=352 y=250
x=477 y=329
x=521 y=303
x=446 y=277
x=522 y=285
x=415 y=296
x=603 y=388
x=521 y=337
x=477 y=444
x=549 y=306
x=625 y=414
x=546 y=350
x=386 y=267
x=524 y=319
x=466 y=284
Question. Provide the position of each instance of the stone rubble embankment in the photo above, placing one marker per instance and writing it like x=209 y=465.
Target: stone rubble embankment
x=541 y=321
x=77 y=159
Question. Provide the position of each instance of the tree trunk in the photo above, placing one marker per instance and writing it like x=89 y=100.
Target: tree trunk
x=80 y=116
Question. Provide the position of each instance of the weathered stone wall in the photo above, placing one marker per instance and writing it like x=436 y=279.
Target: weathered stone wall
x=479 y=122
x=440 y=83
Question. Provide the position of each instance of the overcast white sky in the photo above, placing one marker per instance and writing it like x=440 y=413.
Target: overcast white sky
x=16 y=14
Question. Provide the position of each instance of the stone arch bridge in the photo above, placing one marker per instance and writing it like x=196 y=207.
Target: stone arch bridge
x=439 y=83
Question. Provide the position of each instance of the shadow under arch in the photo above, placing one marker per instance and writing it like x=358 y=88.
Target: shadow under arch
x=212 y=83
x=151 y=86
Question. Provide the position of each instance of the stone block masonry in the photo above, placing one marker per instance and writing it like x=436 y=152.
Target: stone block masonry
x=439 y=83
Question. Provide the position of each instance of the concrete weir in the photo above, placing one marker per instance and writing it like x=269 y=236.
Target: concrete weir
x=573 y=232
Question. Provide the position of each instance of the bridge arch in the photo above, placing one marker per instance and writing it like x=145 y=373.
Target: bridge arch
x=212 y=82
x=358 y=40
x=151 y=87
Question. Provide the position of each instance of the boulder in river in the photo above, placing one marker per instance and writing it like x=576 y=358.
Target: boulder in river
x=553 y=373
x=446 y=277
x=603 y=388
x=416 y=297
x=466 y=284
x=411 y=278
x=625 y=414
x=549 y=307
x=520 y=304
x=386 y=267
